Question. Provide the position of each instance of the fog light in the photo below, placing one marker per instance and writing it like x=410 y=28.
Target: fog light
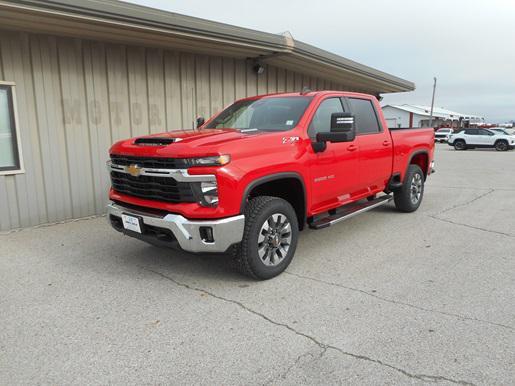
x=206 y=234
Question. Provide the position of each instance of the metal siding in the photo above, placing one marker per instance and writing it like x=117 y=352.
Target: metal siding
x=173 y=93
x=156 y=91
x=271 y=86
x=202 y=86
x=240 y=78
x=76 y=127
x=76 y=97
x=97 y=102
x=215 y=86
x=188 y=90
x=228 y=82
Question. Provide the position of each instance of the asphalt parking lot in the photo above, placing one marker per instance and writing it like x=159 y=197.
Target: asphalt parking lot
x=384 y=298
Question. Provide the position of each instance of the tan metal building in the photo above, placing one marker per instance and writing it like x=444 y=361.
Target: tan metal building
x=78 y=75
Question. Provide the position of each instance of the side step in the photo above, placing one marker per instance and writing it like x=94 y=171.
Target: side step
x=348 y=211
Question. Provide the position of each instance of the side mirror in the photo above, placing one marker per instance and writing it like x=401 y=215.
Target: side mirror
x=342 y=129
x=200 y=121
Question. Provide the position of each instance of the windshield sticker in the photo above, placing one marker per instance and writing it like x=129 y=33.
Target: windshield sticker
x=289 y=122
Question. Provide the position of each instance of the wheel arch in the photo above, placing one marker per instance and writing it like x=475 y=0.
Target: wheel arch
x=420 y=158
x=275 y=185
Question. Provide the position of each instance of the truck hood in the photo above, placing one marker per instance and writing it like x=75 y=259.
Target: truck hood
x=186 y=143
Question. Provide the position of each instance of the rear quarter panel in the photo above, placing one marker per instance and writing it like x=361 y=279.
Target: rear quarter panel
x=409 y=142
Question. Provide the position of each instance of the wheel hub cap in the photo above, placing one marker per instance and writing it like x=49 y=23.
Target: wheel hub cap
x=274 y=239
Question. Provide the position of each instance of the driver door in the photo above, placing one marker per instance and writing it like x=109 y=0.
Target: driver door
x=333 y=171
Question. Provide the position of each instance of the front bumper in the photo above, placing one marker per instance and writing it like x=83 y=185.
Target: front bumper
x=176 y=229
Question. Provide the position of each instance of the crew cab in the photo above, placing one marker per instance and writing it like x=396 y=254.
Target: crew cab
x=477 y=137
x=246 y=181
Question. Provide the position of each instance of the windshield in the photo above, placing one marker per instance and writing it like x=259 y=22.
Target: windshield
x=443 y=130
x=266 y=114
x=499 y=131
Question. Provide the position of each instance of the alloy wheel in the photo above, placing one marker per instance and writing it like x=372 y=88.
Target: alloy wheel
x=274 y=239
x=416 y=188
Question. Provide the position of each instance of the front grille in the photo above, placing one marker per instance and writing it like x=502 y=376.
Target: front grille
x=151 y=163
x=152 y=188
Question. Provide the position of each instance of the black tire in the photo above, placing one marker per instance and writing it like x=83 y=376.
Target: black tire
x=245 y=256
x=460 y=144
x=404 y=197
x=501 y=145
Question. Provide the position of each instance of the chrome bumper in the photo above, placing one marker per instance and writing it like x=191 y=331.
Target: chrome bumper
x=226 y=231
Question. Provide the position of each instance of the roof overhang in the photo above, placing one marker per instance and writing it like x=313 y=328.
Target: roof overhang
x=126 y=23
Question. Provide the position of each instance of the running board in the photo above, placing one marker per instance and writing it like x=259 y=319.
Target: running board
x=348 y=211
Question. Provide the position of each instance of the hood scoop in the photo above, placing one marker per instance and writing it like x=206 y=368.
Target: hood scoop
x=156 y=141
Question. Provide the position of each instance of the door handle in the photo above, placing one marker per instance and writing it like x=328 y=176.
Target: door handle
x=352 y=148
x=386 y=143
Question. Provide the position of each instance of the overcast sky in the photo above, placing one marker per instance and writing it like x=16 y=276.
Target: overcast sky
x=469 y=45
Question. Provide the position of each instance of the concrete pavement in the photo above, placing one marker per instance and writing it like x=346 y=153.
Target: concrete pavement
x=384 y=298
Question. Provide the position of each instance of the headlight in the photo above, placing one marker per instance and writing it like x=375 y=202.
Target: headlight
x=218 y=160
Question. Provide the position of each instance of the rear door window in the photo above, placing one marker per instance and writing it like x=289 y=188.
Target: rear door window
x=485 y=132
x=365 y=116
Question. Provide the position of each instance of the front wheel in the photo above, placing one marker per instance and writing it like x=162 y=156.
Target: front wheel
x=501 y=146
x=269 y=239
x=409 y=197
x=459 y=144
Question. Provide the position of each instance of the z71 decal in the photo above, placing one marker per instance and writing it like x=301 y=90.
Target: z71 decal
x=287 y=140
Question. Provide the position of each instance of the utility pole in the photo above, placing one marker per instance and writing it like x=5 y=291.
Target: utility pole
x=432 y=104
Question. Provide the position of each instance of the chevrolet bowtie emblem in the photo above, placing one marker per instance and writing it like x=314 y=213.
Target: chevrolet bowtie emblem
x=134 y=170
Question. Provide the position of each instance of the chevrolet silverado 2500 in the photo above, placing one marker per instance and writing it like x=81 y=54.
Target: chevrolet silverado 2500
x=251 y=177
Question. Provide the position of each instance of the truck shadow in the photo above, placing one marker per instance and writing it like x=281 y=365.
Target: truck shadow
x=217 y=267
x=175 y=262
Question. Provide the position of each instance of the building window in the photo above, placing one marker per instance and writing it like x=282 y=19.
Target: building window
x=10 y=153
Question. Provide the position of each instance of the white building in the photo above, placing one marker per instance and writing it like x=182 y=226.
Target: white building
x=418 y=116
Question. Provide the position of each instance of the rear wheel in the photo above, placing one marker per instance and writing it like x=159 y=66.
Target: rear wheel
x=269 y=239
x=409 y=197
x=501 y=145
x=460 y=144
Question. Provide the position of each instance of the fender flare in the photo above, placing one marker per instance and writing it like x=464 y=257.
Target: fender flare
x=273 y=177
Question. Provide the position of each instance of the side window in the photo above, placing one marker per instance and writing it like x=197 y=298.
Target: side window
x=471 y=132
x=365 y=116
x=321 y=121
x=485 y=132
x=9 y=147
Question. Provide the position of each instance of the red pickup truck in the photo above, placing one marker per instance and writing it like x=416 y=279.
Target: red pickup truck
x=250 y=178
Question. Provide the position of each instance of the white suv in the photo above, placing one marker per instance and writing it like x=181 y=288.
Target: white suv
x=471 y=138
x=442 y=135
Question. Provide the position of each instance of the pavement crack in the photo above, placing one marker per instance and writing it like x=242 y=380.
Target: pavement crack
x=431 y=310
x=323 y=346
x=420 y=377
x=239 y=304
x=490 y=191
x=471 y=226
x=285 y=374
x=436 y=216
